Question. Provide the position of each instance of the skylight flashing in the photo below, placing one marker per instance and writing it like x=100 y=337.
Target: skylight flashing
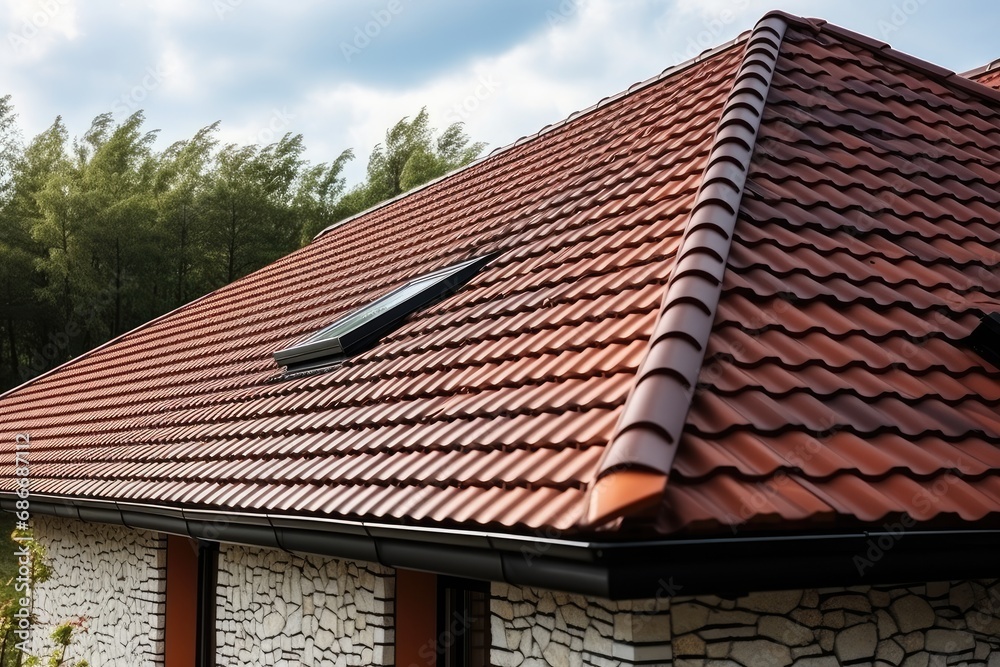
x=361 y=328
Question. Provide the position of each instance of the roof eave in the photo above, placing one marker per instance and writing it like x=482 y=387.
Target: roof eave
x=610 y=570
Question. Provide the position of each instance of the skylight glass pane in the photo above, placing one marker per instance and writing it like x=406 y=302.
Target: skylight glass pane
x=373 y=310
x=363 y=327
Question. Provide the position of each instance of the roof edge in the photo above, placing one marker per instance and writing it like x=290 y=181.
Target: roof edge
x=670 y=71
x=108 y=343
x=655 y=412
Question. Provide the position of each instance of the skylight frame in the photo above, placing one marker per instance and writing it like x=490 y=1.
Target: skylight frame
x=377 y=317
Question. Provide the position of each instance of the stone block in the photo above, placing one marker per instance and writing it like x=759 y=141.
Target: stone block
x=937 y=589
x=556 y=654
x=541 y=636
x=809 y=617
x=948 y=641
x=573 y=616
x=623 y=628
x=651 y=628
x=853 y=602
x=890 y=652
x=761 y=652
x=962 y=596
x=785 y=631
x=324 y=639
x=886 y=626
x=912 y=613
x=773 y=602
x=856 y=643
x=718 y=649
x=917 y=660
x=913 y=641
x=713 y=634
x=834 y=619
x=688 y=617
x=817 y=661
x=731 y=617
x=503 y=609
x=983 y=623
x=689 y=645
x=594 y=642
x=546 y=605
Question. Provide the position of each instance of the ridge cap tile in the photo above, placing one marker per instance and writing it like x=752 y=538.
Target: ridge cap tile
x=695 y=291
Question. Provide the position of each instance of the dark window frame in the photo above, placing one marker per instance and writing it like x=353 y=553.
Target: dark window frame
x=208 y=579
x=377 y=318
x=458 y=601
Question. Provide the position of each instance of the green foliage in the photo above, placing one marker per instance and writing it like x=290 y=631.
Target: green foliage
x=10 y=602
x=102 y=233
x=410 y=157
x=63 y=637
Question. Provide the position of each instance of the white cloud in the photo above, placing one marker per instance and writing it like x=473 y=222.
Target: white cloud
x=268 y=68
x=34 y=26
x=595 y=50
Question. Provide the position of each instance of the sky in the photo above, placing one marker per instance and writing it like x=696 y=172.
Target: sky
x=341 y=73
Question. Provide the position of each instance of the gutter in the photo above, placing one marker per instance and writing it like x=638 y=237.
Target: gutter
x=611 y=570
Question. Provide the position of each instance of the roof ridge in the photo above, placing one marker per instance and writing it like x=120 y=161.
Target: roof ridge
x=982 y=69
x=670 y=71
x=942 y=74
x=633 y=471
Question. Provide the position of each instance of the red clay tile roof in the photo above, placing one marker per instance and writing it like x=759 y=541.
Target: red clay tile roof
x=862 y=247
x=835 y=386
x=988 y=75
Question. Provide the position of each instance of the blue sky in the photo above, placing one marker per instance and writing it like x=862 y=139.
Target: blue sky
x=341 y=73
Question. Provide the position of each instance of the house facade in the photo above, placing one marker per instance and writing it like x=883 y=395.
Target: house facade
x=277 y=608
x=706 y=374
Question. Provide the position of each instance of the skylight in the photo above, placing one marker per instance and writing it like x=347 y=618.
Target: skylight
x=361 y=328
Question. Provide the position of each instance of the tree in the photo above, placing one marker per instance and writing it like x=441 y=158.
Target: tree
x=25 y=319
x=15 y=242
x=10 y=147
x=180 y=189
x=103 y=233
x=250 y=200
x=98 y=227
x=321 y=188
x=411 y=157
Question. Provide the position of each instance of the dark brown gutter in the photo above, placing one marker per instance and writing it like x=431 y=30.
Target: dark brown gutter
x=631 y=570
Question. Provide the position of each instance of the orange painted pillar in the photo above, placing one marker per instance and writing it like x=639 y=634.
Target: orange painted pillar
x=181 y=636
x=416 y=619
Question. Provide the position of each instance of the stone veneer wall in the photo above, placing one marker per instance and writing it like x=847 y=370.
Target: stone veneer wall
x=275 y=608
x=538 y=627
x=942 y=623
x=112 y=576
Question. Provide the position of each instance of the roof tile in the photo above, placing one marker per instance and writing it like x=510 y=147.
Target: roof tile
x=827 y=264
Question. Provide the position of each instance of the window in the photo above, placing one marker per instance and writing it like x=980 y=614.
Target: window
x=363 y=327
x=464 y=620
x=456 y=635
